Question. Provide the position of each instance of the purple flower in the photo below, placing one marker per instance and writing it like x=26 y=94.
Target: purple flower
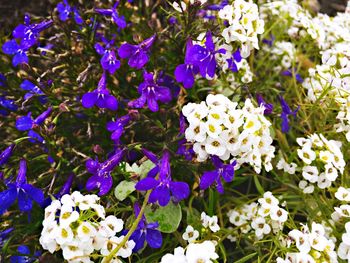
x=22 y=191
x=185 y=150
x=226 y=171
x=151 y=92
x=65 y=11
x=286 y=111
x=8 y=104
x=217 y=7
x=145 y=232
x=166 y=80
x=117 y=127
x=6 y=154
x=236 y=57
x=26 y=123
x=100 y=96
x=292 y=73
x=268 y=106
x=204 y=57
x=29 y=33
x=109 y=61
x=101 y=178
x=19 y=51
x=137 y=54
x=269 y=41
x=4 y=236
x=163 y=187
x=24 y=257
x=186 y=72
x=118 y=20
x=33 y=90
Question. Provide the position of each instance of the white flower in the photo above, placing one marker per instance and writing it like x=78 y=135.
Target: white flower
x=179 y=8
x=343 y=210
x=301 y=240
x=111 y=225
x=215 y=146
x=268 y=200
x=177 y=257
x=126 y=250
x=85 y=231
x=306 y=187
x=201 y=252
x=190 y=234
x=310 y=173
x=278 y=214
x=68 y=216
x=306 y=154
x=72 y=250
x=63 y=235
x=213 y=224
x=196 y=132
x=343 y=194
x=261 y=227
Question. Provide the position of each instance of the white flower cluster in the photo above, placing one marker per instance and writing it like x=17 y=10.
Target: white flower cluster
x=286 y=167
x=218 y=127
x=77 y=224
x=262 y=217
x=323 y=161
x=195 y=252
x=284 y=52
x=301 y=24
x=244 y=25
x=208 y=222
x=314 y=246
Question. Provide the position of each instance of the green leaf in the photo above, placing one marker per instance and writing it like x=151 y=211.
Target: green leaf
x=123 y=189
x=258 y=185
x=168 y=217
x=246 y=258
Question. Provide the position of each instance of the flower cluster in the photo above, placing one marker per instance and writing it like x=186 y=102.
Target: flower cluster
x=322 y=161
x=77 y=225
x=218 y=127
x=262 y=217
x=244 y=25
x=314 y=245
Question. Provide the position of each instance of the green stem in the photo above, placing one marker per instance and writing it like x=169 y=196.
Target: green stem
x=132 y=229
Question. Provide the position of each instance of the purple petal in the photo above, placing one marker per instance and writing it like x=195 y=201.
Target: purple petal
x=111 y=102
x=24 y=202
x=150 y=155
x=163 y=94
x=179 y=190
x=138 y=59
x=126 y=50
x=22 y=171
x=146 y=184
x=19 y=58
x=10 y=47
x=154 y=238
x=209 y=42
x=89 y=99
x=7 y=198
x=34 y=193
x=24 y=123
x=207 y=179
x=18 y=32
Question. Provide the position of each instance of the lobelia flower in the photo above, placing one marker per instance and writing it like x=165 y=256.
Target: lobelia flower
x=217 y=7
x=113 y=13
x=100 y=96
x=226 y=171
x=163 y=187
x=26 y=123
x=137 y=54
x=151 y=92
x=102 y=178
x=117 y=127
x=21 y=190
x=292 y=73
x=6 y=154
x=65 y=10
x=109 y=61
x=204 y=57
x=146 y=232
x=186 y=72
x=8 y=104
x=29 y=33
x=33 y=89
x=185 y=149
x=24 y=257
x=167 y=81
x=268 y=106
x=286 y=111
x=19 y=51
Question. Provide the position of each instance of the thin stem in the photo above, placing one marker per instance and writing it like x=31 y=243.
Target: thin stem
x=131 y=230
